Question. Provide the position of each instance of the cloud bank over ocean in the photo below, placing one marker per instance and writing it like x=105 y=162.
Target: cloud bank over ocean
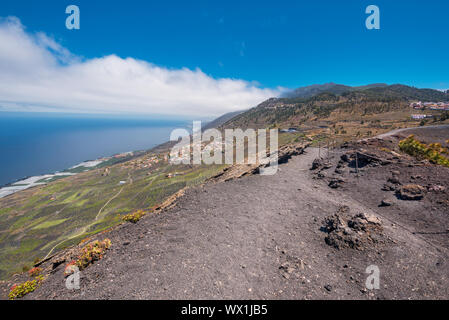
x=38 y=74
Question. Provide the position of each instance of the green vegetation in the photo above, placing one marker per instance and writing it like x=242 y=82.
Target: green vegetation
x=49 y=224
x=134 y=217
x=20 y=290
x=92 y=252
x=432 y=152
x=38 y=222
x=293 y=137
x=5 y=210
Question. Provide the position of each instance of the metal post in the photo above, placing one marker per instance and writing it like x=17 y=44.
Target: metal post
x=319 y=149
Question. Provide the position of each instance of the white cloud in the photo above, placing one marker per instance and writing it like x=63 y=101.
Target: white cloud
x=37 y=73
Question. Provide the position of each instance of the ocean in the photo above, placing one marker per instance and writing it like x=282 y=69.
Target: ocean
x=40 y=143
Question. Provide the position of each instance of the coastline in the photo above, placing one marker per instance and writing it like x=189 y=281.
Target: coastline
x=41 y=144
x=43 y=179
x=86 y=165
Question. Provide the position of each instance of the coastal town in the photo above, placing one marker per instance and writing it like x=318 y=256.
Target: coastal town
x=145 y=162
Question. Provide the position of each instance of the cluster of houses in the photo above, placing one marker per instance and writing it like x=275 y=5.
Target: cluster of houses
x=442 y=106
x=421 y=116
x=123 y=155
x=439 y=106
x=183 y=154
x=144 y=162
x=186 y=151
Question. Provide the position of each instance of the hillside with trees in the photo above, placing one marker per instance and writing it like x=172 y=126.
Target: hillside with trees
x=354 y=104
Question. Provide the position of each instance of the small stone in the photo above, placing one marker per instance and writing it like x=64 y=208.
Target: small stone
x=411 y=192
x=437 y=188
x=394 y=180
x=388 y=187
x=328 y=287
x=345 y=158
x=385 y=203
x=327 y=166
x=317 y=163
x=335 y=183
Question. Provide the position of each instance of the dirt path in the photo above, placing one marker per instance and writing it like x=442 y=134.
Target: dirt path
x=97 y=217
x=130 y=182
x=393 y=132
x=254 y=238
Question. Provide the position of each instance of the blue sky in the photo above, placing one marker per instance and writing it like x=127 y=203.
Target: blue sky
x=266 y=43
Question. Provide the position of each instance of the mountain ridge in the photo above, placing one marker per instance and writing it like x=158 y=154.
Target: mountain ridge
x=331 y=87
x=315 y=102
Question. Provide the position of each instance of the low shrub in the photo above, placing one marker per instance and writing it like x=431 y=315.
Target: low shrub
x=35 y=272
x=20 y=290
x=134 y=217
x=432 y=152
x=92 y=252
x=70 y=268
